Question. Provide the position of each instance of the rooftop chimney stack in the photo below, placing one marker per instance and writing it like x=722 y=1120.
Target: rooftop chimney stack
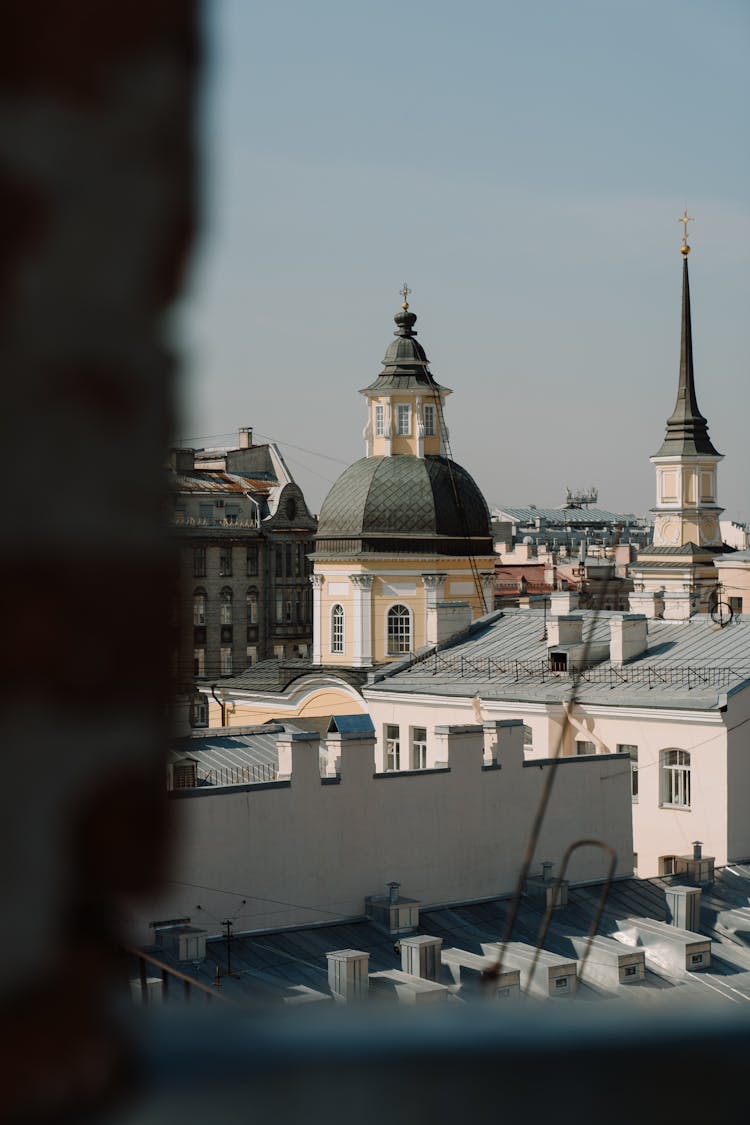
x=697 y=849
x=393 y=893
x=246 y=437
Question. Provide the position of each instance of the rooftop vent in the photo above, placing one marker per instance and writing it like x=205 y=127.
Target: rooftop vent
x=541 y=888
x=696 y=868
x=684 y=907
x=347 y=974
x=392 y=913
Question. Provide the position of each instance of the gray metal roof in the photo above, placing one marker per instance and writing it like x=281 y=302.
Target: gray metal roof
x=689 y=664
x=271 y=965
x=562 y=517
x=405 y=496
x=405 y=365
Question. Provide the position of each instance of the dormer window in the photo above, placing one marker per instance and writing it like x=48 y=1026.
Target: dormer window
x=403 y=419
x=379 y=420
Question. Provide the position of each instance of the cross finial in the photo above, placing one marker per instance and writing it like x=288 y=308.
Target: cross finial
x=405 y=291
x=685 y=219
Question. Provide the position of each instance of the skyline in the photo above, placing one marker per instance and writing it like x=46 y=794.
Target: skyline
x=524 y=171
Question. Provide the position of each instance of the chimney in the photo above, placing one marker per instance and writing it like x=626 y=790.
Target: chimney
x=696 y=868
x=393 y=893
x=628 y=637
x=563 y=601
x=420 y=956
x=648 y=602
x=677 y=605
x=567 y=630
x=684 y=908
x=391 y=913
x=541 y=888
x=246 y=437
x=697 y=849
x=347 y=974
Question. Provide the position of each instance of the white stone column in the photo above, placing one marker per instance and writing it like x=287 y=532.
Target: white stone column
x=317 y=647
x=362 y=619
x=433 y=593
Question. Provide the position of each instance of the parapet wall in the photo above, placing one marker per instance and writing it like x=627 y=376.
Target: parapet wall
x=311 y=848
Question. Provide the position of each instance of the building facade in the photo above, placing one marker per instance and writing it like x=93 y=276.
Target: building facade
x=244 y=537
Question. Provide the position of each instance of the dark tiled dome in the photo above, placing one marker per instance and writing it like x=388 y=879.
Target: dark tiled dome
x=405 y=504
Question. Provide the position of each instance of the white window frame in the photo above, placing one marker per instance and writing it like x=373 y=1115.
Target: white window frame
x=225 y=659
x=337 y=628
x=430 y=419
x=674 y=778
x=379 y=420
x=418 y=748
x=403 y=419
x=528 y=737
x=403 y=637
x=392 y=741
x=200 y=602
x=632 y=750
x=225 y=606
x=251 y=601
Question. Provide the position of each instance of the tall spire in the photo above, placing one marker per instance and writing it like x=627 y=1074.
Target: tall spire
x=687 y=429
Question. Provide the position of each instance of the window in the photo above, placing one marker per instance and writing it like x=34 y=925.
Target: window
x=399 y=630
x=675 y=779
x=252 y=606
x=199 y=712
x=419 y=748
x=403 y=418
x=225 y=655
x=584 y=747
x=635 y=863
x=206 y=513
x=528 y=737
x=627 y=748
x=735 y=604
x=199 y=607
x=278 y=561
x=288 y=608
x=667 y=864
x=279 y=607
x=298 y=560
x=379 y=420
x=288 y=571
x=558 y=662
x=298 y=606
x=429 y=421
x=392 y=748
x=199 y=661
x=199 y=562
x=252 y=562
x=225 y=606
x=337 y=629
x=251 y=654
x=232 y=514
x=225 y=562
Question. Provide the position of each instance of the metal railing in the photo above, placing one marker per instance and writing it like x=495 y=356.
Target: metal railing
x=171 y=983
x=254 y=774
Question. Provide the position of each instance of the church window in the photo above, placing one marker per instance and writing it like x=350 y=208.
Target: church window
x=403 y=418
x=399 y=630
x=379 y=420
x=225 y=603
x=337 y=629
x=429 y=421
x=675 y=778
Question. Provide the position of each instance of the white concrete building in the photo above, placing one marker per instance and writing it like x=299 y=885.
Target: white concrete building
x=674 y=696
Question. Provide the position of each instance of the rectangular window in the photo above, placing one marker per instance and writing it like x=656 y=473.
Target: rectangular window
x=232 y=515
x=298 y=560
x=199 y=716
x=278 y=561
x=392 y=748
x=289 y=560
x=225 y=562
x=403 y=418
x=199 y=562
x=584 y=747
x=628 y=748
x=419 y=748
x=429 y=421
x=288 y=608
x=252 y=562
x=558 y=662
x=528 y=737
x=199 y=661
x=206 y=513
x=379 y=421
x=667 y=864
x=279 y=607
x=225 y=654
x=735 y=604
x=251 y=654
x=675 y=778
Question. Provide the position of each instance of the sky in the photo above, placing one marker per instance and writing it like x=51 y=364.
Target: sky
x=522 y=166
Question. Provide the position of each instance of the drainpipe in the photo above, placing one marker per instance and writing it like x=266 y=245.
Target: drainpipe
x=221 y=703
x=567 y=708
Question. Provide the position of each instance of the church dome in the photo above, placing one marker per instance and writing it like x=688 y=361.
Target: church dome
x=404 y=504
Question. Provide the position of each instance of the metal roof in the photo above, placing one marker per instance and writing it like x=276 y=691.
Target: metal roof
x=219 y=481
x=271 y=965
x=689 y=664
x=562 y=517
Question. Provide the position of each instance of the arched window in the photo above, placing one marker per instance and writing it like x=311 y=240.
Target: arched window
x=675 y=778
x=252 y=606
x=399 y=630
x=337 y=629
x=225 y=610
x=199 y=607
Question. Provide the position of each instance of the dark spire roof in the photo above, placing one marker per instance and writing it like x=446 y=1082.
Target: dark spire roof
x=687 y=429
x=405 y=364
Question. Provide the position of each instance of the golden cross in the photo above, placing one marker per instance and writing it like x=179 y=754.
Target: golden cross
x=405 y=291
x=685 y=219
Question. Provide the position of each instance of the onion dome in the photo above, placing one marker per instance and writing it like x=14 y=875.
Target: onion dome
x=405 y=364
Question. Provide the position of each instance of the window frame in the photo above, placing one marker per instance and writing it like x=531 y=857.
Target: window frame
x=226 y=606
x=631 y=749
x=379 y=419
x=418 y=740
x=225 y=660
x=392 y=746
x=200 y=606
x=199 y=562
x=430 y=419
x=251 y=605
x=225 y=562
x=397 y=635
x=403 y=411
x=337 y=629
x=675 y=779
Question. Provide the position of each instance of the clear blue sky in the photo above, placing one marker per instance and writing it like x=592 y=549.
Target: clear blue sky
x=522 y=165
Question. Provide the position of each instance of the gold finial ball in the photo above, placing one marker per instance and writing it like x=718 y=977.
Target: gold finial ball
x=684 y=249
x=405 y=305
